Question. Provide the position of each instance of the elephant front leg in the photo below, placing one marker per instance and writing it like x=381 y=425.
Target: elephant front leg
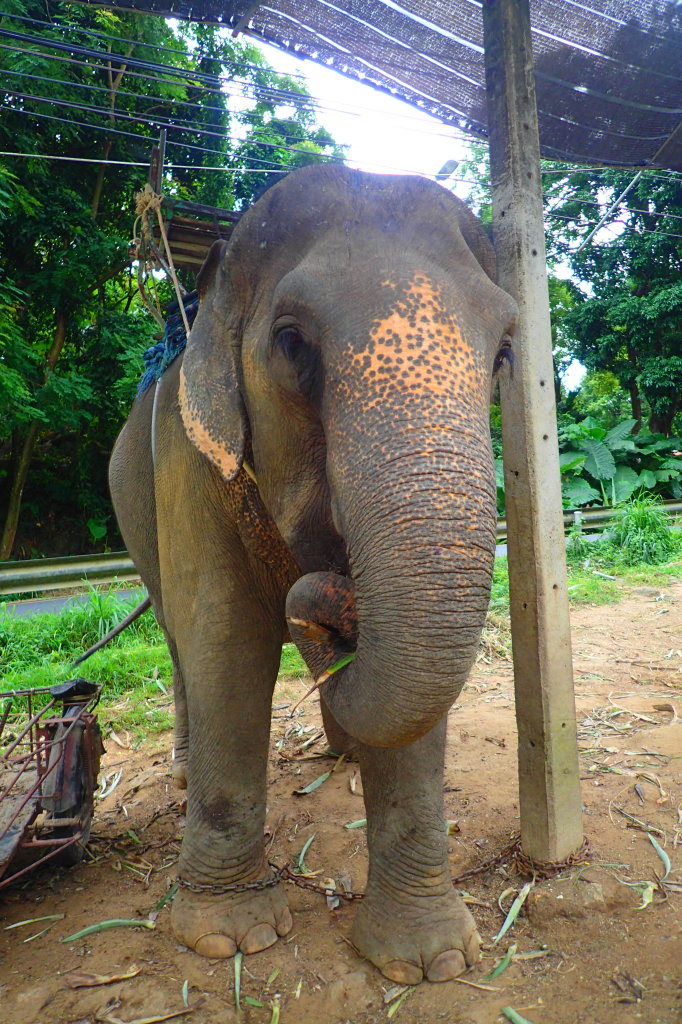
x=224 y=903
x=412 y=924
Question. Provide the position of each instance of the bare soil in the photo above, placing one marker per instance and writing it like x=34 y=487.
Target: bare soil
x=604 y=951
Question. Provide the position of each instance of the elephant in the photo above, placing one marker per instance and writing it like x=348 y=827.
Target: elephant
x=317 y=464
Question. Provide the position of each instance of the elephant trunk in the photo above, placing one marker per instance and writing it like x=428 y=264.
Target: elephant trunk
x=420 y=532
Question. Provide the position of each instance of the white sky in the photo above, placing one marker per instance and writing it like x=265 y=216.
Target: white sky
x=383 y=133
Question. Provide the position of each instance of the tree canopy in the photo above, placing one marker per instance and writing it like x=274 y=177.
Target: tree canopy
x=85 y=91
x=628 y=320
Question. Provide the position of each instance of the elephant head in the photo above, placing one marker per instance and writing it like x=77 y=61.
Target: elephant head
x=344 y=348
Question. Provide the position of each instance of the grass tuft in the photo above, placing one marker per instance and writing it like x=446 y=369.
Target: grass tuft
x=640 y=530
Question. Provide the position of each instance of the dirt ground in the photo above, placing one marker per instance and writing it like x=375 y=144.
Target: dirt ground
x=599 y=944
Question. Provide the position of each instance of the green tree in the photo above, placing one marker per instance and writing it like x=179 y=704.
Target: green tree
x=600 y=396
x=630 y=323
x=71 y=326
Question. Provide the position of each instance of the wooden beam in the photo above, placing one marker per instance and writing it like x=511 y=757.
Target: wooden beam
x=551 y=823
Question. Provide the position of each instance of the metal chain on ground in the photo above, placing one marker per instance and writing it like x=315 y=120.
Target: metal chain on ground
x=513 y=851
x=322 y=890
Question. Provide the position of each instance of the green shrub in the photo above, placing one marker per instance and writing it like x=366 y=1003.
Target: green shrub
x=640 y=529
x=577 y=548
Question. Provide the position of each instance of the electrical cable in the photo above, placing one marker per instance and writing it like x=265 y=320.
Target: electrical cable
x=283 y=169
x=137 y=42
x=159 y=123
x=262 y=92
x=170 y=101
x=160 y=101
x=143 y=138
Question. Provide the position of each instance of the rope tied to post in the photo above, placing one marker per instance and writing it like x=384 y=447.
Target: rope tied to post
x=147 y=201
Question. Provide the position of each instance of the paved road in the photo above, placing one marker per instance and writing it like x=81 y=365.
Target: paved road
x=55 y=604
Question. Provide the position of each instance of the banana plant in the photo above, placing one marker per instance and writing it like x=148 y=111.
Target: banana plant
x=606 y=467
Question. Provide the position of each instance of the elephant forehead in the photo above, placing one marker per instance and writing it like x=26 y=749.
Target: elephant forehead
x=417 y=345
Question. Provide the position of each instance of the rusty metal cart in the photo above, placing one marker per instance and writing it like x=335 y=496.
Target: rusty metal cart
x=50 y=748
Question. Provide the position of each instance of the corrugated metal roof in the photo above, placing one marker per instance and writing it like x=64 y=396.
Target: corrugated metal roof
x=608 y=72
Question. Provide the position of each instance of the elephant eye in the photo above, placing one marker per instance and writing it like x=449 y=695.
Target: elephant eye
x=504 y=355
x=300 y=355
x=291 y=343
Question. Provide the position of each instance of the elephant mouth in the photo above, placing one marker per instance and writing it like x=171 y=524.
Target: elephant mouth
x=322 y=618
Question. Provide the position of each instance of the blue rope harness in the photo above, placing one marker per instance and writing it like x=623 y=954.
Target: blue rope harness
x=158 y=358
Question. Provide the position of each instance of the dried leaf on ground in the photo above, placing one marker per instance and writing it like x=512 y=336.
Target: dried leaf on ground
x=81 y=979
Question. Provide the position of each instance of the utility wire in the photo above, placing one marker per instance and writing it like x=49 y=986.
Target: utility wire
x=178 y=122
x=225 y=93
x=149 y=140
x=311 y=104
x=282 y=169
x=156 y=122
x=167 y=69
x=257 y=92
x=90 y=33
x=626 y=227
x=255 y=140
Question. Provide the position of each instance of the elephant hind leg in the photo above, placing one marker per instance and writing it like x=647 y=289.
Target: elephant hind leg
x=181 y=747
x=339 y=740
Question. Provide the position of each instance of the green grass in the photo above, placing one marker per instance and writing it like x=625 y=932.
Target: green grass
x=588 y=572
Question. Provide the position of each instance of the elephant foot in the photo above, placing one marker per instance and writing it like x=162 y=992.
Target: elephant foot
x=217 y=926
x=409 y=940
x=178 y=774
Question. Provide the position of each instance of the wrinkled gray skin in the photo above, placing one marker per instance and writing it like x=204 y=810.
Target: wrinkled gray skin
x=344 y=349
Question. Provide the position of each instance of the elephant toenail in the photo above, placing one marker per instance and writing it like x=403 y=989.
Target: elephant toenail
x=285 y=923
x=215 y=946
x=447 y=965
x=473 y=949
x=259 y=937
x=402 y=971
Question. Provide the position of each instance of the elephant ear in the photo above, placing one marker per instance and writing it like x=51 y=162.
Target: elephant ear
x=477 y=240
x=211 y=403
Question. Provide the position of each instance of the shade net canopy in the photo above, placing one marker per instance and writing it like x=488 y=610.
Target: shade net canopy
x=608 y=72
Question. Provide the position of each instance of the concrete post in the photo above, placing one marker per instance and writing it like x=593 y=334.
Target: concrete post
x=551 y=823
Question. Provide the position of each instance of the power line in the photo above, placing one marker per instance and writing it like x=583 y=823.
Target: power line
x=133 y=163
x=260 y=91
x=283 y=169
x=138 y=42
x=154 y=121
x=626 y=227
x=158 y=101
x=178 y=122
x=284 y=95
x=150 y=139
x=275 y=164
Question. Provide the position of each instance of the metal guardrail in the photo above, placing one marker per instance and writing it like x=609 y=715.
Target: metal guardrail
x=62 y=573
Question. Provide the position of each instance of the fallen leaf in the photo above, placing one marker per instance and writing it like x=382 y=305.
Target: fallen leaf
x=81 y=979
